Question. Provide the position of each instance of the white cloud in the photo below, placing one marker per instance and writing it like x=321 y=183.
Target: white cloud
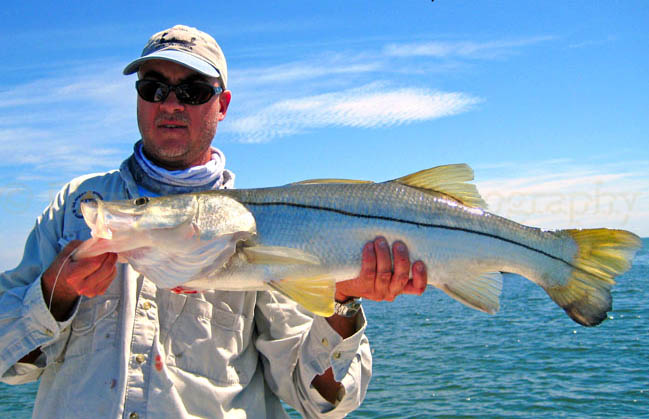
x=371 y=106
x=460 y=49
x=85 y=116
x=302 y=70
x=69 y=123
x=562 y=194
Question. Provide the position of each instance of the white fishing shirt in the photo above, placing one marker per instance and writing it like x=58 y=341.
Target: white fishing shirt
x=138 y=351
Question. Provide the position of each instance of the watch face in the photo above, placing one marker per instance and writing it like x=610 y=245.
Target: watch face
x=348 y=309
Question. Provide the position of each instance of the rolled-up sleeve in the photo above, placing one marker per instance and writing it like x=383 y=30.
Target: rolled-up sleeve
x=297 y=346
x=26 y=324
x=25 y=321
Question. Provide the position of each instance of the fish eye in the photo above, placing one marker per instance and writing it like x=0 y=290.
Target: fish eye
x=141 y=201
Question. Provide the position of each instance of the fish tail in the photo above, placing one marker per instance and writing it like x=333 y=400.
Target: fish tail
x=602 y=254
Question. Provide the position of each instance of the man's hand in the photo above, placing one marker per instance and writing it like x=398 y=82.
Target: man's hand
x=89 y=277
x=378 y=280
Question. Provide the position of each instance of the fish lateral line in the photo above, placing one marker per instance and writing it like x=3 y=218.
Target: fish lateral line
x=416 y=223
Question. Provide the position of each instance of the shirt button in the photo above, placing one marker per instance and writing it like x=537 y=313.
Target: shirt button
x=325 y=342
x=146 y=305
x=140 y=358
x=133 y=415
x=336 y=355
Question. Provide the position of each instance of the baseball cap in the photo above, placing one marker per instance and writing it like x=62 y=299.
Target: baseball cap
x=186 y=46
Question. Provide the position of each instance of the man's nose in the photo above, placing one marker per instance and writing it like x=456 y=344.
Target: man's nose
x=172 y=104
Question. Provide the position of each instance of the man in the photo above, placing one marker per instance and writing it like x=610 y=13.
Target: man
x=106 y=342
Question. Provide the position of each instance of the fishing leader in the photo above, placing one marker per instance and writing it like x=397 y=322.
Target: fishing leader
x=104 y=339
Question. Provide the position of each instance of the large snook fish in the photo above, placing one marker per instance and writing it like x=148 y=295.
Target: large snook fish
x=301 y=238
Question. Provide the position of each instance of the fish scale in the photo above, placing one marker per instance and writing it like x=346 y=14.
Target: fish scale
x=429 y=227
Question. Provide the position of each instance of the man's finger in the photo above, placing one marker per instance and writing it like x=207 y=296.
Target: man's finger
x=368 y=267
x=417 y=285
x=383 y=268
x=95 y=282
x=98 y=283
x=86 y=273
x=78 y=270
x=401 y=269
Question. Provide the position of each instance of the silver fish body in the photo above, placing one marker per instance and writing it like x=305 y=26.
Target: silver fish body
x=285 y=237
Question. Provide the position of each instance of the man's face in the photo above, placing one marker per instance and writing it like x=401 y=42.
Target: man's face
x=177 y=135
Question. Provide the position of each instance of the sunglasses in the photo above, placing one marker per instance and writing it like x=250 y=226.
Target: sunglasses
x=190 y=93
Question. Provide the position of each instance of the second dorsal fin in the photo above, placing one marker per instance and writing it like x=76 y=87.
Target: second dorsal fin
x=449 y=180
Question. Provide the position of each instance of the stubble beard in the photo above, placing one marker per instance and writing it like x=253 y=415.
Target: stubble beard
x=179 y=154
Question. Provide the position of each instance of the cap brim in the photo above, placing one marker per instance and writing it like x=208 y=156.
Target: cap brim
x=182 y=58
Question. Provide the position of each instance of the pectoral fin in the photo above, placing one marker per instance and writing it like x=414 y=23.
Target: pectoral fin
x=316 y=294
x=278 y=255
x=481 y=293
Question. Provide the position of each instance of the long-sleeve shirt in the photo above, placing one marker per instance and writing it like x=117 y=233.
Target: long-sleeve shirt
x=138 y=350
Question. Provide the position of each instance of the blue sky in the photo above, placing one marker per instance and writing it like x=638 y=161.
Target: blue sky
x=547 y=101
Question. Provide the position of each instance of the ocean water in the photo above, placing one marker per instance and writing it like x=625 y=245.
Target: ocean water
x=434 y=358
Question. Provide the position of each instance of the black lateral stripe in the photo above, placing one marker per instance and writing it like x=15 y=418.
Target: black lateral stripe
x=416 y=223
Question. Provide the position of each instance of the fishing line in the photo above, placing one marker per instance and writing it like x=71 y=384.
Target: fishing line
x=279 y=306
x=68 y=257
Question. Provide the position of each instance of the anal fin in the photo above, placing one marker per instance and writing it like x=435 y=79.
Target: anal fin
x=316 y=294
x=481 y=293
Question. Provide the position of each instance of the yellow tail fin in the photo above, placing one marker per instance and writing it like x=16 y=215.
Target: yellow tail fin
x=602 y=255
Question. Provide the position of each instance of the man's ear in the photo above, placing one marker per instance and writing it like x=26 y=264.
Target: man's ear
x=224 y=101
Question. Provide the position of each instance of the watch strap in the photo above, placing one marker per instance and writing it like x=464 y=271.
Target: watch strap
x=347 y=308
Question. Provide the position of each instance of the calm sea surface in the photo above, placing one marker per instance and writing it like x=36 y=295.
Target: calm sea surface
x=435 y=358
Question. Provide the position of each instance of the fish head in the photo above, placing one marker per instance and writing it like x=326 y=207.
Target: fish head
x=109 y=220
x=170 y=240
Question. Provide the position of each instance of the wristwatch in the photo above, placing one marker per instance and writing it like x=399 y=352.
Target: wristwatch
x=348 y=308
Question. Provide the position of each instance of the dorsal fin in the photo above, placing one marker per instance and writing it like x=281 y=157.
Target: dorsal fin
x=316 y=181
x=449 y=180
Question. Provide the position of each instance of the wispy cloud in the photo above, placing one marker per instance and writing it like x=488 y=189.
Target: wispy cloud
x=592 y=43
x=370 y=106
x=85 y=116
x=71 y=123
x=461 y=49
x=303 y=70
x=566 y=194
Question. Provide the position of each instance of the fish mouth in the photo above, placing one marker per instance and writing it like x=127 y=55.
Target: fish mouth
x=105 y=222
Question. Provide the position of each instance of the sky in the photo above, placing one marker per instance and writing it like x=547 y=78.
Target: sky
x=547 y=101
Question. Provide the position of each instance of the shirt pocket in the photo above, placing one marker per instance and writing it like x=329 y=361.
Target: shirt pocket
x=208 y=341
x=95 y=326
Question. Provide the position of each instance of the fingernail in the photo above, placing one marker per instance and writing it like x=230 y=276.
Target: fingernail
x=369 y=247
x=419 y=267
x=400 y=247
x=383 y=244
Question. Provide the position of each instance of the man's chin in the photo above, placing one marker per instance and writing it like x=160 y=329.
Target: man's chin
x=168 y=156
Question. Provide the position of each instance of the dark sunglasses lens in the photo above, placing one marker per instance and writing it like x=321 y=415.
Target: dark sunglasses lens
x=194 y=93
x=152 y=91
